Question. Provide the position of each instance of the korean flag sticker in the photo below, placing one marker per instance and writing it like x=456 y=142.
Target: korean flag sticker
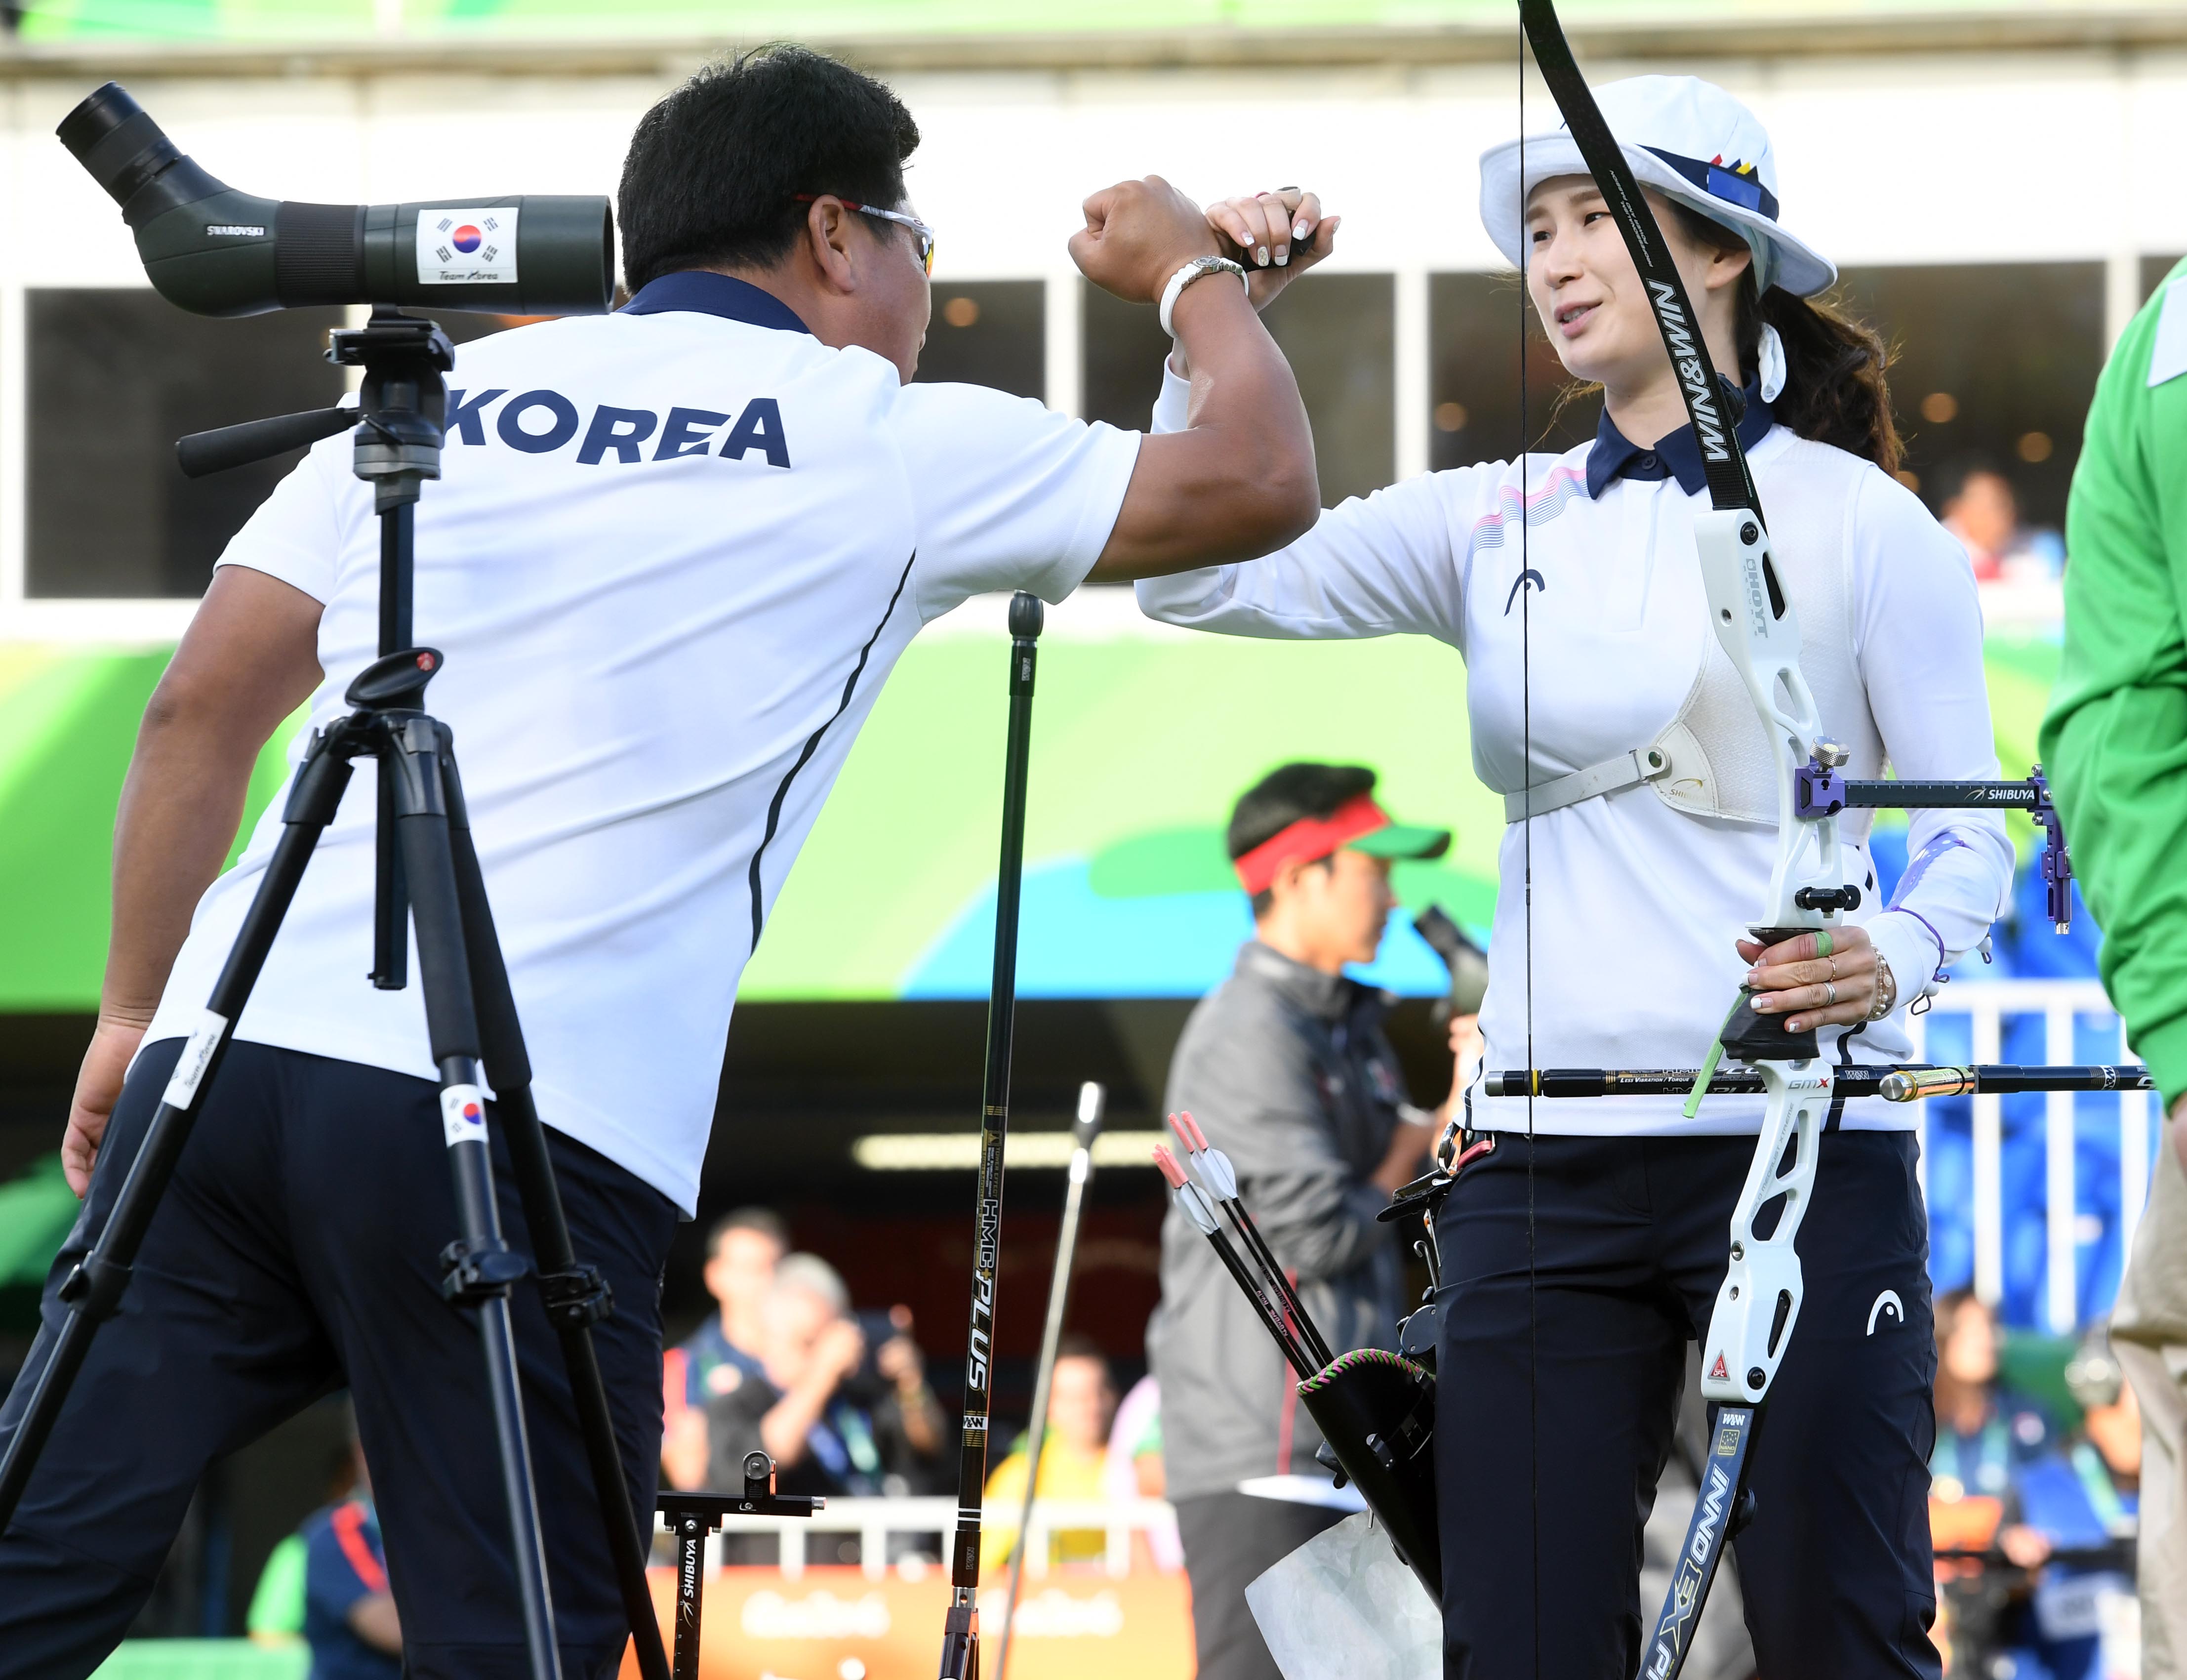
x=463 y=1115
x=469 y=247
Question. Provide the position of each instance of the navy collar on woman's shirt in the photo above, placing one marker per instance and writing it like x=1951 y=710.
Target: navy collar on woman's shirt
x=1676 y=456
x=706 y=293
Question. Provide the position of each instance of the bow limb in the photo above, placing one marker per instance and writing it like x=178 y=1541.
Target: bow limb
x=1759 y=1301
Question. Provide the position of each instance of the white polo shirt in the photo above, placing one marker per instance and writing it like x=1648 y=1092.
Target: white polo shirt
x=673 y=556
x=1628 y=957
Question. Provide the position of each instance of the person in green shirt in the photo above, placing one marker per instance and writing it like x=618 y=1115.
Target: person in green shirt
x=2116 y=743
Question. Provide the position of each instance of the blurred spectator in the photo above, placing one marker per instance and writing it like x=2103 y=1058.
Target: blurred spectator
x=1978 y=504
x=2110 y=1429
x=1081 y=1404
x=1133 y=1469
x=742 y=1251
x=1997 y=1452
x=1287 y=1069
x=833 y=1423
x=329 y=1580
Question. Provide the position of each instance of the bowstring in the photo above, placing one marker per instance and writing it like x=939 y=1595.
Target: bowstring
x=1526 y=884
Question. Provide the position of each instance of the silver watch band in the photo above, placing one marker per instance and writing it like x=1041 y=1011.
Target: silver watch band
x=1186 y=275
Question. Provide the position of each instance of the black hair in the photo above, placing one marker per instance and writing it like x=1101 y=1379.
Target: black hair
x=1835 y=390
x=1285 y=795
x=1951 y=480
x=1077 y=1344
x=713 y=170
x=765 y=1220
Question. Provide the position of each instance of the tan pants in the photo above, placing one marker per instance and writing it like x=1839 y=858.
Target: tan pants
x=2149 y=1333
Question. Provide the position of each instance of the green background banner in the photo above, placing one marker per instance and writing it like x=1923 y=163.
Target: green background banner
x=762 y=20
x=1140 y=746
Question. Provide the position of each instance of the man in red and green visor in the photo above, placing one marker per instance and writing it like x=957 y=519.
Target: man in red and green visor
x=1287 y=1070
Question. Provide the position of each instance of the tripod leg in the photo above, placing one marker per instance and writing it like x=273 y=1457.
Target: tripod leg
x=481 y=1266
x=94 y=1289
x=577 y=1296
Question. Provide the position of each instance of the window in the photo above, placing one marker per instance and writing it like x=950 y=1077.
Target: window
x=116 y=376
x=988 y=333
x=1473 y=332
x=1996 y=364
x=1124 y=347
x=1337 y=331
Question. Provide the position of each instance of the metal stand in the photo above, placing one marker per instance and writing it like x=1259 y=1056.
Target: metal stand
x=960 y=1635
x=692 y=1517
x=1093 y=1100
x=429 y=874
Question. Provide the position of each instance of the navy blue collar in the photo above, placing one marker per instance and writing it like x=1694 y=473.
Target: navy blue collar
x=706 y=293
x=1676 y=455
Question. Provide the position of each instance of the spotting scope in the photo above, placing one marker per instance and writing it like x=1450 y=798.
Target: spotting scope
x=213 y=250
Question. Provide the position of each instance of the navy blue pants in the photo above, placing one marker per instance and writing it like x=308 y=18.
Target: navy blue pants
x=1556 y=1406
x=297 y=1250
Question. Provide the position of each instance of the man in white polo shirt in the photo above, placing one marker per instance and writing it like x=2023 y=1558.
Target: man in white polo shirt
x=673 y=556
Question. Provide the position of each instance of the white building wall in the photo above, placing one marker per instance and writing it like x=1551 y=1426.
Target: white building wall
x=2060 y=155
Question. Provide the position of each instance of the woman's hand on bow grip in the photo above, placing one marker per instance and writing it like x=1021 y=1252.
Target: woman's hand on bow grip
x=1810 y=990
x=1275 y=235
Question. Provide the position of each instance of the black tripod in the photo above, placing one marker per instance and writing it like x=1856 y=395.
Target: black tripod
x=428 y=870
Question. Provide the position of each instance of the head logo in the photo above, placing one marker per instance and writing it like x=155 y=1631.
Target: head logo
x=466 y=238
x=1888 y=1302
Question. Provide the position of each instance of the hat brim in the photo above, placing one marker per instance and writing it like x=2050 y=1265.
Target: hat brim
x=1402 y=839
x=1798 y=268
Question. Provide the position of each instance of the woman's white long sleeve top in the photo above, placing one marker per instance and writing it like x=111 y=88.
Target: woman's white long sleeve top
x=1629 y=960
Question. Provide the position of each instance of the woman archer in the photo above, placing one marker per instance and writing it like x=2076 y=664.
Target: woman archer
x=1584 y=1251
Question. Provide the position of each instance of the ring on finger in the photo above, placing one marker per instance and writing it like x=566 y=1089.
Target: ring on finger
x=1833 y=962
x=1830 y=994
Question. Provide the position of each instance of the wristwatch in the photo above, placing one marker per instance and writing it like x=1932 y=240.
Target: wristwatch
x=1185 y=276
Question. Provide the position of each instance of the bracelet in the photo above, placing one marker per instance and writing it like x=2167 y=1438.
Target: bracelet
x=1185 y=276
x=1886 y=989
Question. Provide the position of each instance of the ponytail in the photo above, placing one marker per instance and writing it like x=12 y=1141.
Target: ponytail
x=1835 y=390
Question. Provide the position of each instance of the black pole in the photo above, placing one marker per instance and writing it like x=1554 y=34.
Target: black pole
x=390 y=909
x=960 y=1637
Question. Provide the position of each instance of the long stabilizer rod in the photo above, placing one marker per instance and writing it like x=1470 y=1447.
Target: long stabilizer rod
x=960 y=1636
x=1906 y=1084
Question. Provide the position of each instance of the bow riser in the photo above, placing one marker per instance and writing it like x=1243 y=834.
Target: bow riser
x=1759 y=630
x=1758 y=1302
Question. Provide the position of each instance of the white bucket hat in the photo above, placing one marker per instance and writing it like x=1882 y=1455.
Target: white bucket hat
x=1688 y=139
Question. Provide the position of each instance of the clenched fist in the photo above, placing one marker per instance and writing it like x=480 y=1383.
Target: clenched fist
x=1137 y=234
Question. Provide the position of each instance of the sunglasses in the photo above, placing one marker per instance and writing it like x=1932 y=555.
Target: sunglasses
x=920 y=231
